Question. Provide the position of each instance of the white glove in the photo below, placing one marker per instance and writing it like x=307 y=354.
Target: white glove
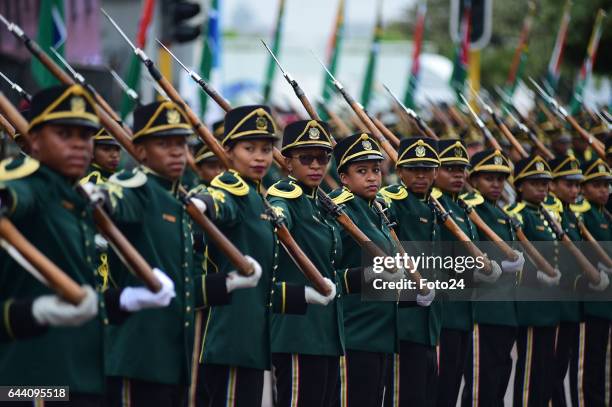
x=602 y=267
x=480 y=277
x=426 y=300
x=604 y=282
x=514 y=266
x=200 y=204
x=235 y=281
x=314 y=297
x=53 y=311
x=101 y=243
x=547 y=280
x=138 y=298
x=95 y=193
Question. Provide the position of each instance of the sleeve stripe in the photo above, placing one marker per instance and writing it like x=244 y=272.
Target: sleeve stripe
x=204 y=297
x=284 y=297
x=7 y=322
x=346 y=285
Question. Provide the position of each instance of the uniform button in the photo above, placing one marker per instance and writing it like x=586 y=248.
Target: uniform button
x=187 y=324
x=185 y=264
x=187 y=294
x=102 y=304
x=86 y=243
x=88 y=258
x=105 y=321
x=188 y=309
x=186 y=279
x=272 y=292
x=273 y=279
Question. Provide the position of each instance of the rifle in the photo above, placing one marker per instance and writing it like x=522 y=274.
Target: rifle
x=341 y=126
x=384 y=143
x=421 y=125
x=132 y=94
x=589 y=271
x=601 y=253
x=564 y=115
x=7 y=127
x=536 y=257
x=25 y=95
x=501 y=126
x=532 y=136
x=481 y=126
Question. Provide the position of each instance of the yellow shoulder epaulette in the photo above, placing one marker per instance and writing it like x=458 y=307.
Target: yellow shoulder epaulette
x=436 y=193
x=133 y=178
x=580 y=207
x=231 y=182
x=395 y=192
x=344 y=196
x=285 y=189
x=93 y=176
x=515 y=209
x=472 y=198
x=553 y=204
x=15 y=168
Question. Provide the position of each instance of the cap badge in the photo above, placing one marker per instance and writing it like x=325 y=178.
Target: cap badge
x=366 y=145
x=458 y=152
x=173 y=116
x=574 y=165
x=601 y=168
x=77 y=104
x=314 y=133
x=539 y=166
x=261 y=123
x=419 y=151
x=497 y=160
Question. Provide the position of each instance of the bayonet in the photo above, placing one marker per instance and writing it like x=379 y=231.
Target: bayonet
x=17 y=88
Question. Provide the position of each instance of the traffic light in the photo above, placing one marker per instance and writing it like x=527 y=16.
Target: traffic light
x=481 y=16
x=175 y=14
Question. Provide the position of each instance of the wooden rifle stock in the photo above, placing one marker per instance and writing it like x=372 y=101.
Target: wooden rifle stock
x=59 y=281
x=536 y=257
x=601 y=253
x=7 y=127
x=588 y=137
x=509 y=136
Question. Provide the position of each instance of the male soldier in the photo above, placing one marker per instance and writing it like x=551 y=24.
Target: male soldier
x=457 y=316
x=414 y=371
x=489 y=361
x=38 y=195
x=538 y=320
x=106 y=156
x=592 y=358
x=150 y=355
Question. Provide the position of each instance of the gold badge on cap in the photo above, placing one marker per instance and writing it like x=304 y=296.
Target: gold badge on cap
x=574 y=165
x=261 y=123
x=366 y=145
x=539 y=166
x=173 y=116
x=458 y=152
x=601 y=168
x=420 y=151
x=77 y=104
x=314 y=133
x=497 y=160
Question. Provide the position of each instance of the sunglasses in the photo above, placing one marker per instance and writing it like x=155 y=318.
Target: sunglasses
x=308 y=159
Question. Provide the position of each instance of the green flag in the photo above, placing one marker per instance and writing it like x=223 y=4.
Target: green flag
x=333 y=56
x=275 y=48
x=51 y=33
x=368 y=80
x=211 y=52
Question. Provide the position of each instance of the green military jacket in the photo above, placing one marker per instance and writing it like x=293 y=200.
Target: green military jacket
x=416 y=222
x=369 y=326
x=49 y=212
x=238 y=334
x=96 y=175
x=156 y=344
x=600 y=225
x=488 y=309
x=536 y=229
x=321 y=330
x=456 y=314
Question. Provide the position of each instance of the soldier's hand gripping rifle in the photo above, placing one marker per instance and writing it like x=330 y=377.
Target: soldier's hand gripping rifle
x=536 y=257
x=481 y=126
x=294 y=251
x=488 y=232
x=421 y=125
x=361 y=114
x=591 y=273
x=501 y=126
x=459 y=234
x=564 y=115
x=601 y=253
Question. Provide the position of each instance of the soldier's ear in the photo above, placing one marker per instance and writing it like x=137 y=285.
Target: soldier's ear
x=343 y=178
x=289 y=164
x=34 y=138
x=141 y=153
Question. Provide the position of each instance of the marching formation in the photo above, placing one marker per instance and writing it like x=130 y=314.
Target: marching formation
x=179 y=279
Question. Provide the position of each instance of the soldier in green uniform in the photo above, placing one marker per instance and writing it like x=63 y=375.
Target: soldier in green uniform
x=413 y=374
x=150 y=355
x=457 y=316
x=538 y=320
x=236 y=343
x=489 y=361
x=592 y=361
x=306 y=348
x=370 y=327
x=106 y=157
x=38 y=196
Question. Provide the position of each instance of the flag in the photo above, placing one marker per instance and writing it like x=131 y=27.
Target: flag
x=370 y=74
x=417 y=43
x=211 y=52
x=462 y=51
x=554 y=65
x=333 y=55
x=51 y=33
x=520 y=54
x=587 y=65
x=278 y=31
x=133 y=76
